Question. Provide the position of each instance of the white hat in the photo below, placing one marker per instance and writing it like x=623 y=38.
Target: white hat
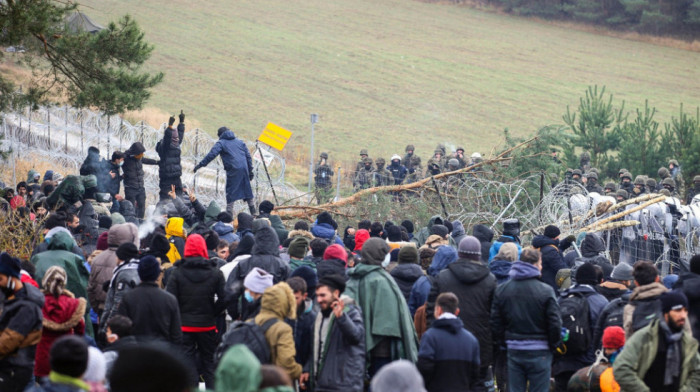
x=257 y=280
x=395 y=156
x=476 y=155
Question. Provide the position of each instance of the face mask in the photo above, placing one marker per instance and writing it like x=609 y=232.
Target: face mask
x=9 y=289
x=613 y=356
x=248 y=296
x=121 y=163
x=386 y=261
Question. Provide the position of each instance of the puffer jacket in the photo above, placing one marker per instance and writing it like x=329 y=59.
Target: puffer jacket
x=20 y=328
x=198 y=285
x=265 y=255
x=474 y=286
x=124 y=279
x=225 y=232
x=278 y=302
x=342 y=363
x=405 y=276
x=104 y=264
x=170 y=166
x=485 y=236
x=327 y=232
x=133 y=167
x=552 y=260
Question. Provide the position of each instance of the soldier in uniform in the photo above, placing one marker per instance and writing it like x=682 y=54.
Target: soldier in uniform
x=675 y=169
x=640 y=186
x=324 y=180
x=695 y=191
x=585 y=161
x=576 y=176
x=459 y=156
x=610 y=189
x=435 y=164
x=381 y=176
x=592 y=184
x=416 y=171
x=360 y=165
x=363 y=178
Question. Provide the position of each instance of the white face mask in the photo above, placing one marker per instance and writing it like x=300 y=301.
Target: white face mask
x=387 y=260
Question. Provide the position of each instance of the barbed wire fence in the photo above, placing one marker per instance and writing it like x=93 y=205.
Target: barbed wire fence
x=61 y=135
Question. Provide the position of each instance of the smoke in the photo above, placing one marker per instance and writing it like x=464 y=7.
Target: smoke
x=154 y=218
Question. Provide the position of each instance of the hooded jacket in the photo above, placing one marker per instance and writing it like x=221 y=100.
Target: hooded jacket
x=225 y=232
x=405 y=275
x=485 y=236
x=124 y=279
x=278 y=302
x=444 y=256
x=176 y=234
x=552 y=260
x=591 y=248
x=422 y=235
x=93 y=163
x=170 y=166
x=198 y=286
x=104 y=264
x=133 y=167
x=496 y=246
x=458 y=233
x=474 y=286
x=327 y=232
x=264 y=255
x=238 y=371
x=341 y=364
x=20 y=328
x=448 y=358
x=277 y=225
x=237 y=163
x=525 y=308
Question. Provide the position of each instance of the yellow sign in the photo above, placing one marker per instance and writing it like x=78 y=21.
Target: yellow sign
x=275 y=136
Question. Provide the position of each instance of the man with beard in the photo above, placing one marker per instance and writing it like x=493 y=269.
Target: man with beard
x=661 y=356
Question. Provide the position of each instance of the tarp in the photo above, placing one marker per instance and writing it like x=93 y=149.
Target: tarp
x=78 y=22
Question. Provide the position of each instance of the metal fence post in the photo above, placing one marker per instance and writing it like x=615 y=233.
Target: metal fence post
x=108 y=135
x=82 y=139
x=121 y=124
x=48 y=119
x=65 y=130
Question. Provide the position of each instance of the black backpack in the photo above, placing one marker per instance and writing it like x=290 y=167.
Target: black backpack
x=645 y=311
x=575 y=317
x=615 y=315
x=248 y=334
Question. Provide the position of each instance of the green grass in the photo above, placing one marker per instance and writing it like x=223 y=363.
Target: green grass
x=385 y=73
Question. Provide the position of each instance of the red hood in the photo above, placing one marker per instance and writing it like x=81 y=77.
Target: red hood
x=361 y=236
x=64 y=311
x=195 y=246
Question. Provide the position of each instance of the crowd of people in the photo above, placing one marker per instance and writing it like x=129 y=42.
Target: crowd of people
x=192 y=294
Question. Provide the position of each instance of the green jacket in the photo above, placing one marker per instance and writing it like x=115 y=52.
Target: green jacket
x=59 y=253
x=238 y=371
x=384 y=310
x=639 y=353
x=296 y=263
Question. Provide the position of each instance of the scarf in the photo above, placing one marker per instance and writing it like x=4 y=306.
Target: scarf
x=673 y=354
x=58 y=378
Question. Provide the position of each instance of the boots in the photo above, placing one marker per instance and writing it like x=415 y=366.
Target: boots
x=251 y=206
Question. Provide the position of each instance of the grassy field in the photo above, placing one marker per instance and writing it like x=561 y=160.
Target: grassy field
x=384 y=73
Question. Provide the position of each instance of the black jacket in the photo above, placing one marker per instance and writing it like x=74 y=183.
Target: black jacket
x=330 y=267
x=154 y=313
x=689 y=283
x=405 y=276
x=194 y=282
x=485 y=236
x=303 y=329
x=133 y=168
x=448 y=358
x=474 y=286
x=525 y=308
x=170 y=166
x=108 y=184
x=552 y=260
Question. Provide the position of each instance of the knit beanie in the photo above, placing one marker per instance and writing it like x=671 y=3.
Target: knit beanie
x=374 y=251
x=149 y=269
x=127 y=251
x=613 y=337
x=324 y=217
x=298 y=247
x=401 y=375
x=117 y=219
x=623 y=271
x=69 y=356
x=586 y=274
x=102 y=241
x=266 y=207
x=257 y=280
x=9 y=265
x=551 y=231
x=337 y=252
x=105 y=222
x=408 y=255
x=224 y=217
x=673 y=300
x=469 y=248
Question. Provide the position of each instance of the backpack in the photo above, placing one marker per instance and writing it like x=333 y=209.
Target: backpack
x=248 y=334
x=575 y=317
x=645 y=311
x=615 y=316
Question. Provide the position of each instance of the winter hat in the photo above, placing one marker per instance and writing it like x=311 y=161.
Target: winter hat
x=394 y=233
x=408 y=255
x=695 y=264
x=408 y=225
x=507 y=252
x=374 y=251
x=102 y=243
x=298 y=247
x=160 y=246
x=333 y=281
x=309 y=275
x=613 y=337
x=224 y=217
x=257 y=280
x=669 y=280
x=361 y=236
x=337 y=252
x=586 y=274
x=324 y=217
x=401 y=375
x=69 y=356
x=117 y=218
x=96 y=367
x=195 y=246
x=149 y=269
x=469 y=248
x=105 y=222
x=673 y=300
x=551 y=231
x=440 y=230
x=623 y=271
x=9 y=265
x=127 y=251
x=266 y=207
x=54 y=281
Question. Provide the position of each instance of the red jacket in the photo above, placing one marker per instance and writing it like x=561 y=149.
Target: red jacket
x=62 y=316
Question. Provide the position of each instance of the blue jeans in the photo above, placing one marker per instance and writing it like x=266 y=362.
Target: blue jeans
x=533 y=366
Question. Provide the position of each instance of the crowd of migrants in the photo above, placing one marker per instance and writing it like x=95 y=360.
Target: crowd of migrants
x=109 y=300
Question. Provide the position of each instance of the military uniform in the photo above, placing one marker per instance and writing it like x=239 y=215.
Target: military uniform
x=695 y=191
x=360 y=165
x=592 y=185
x=363 y=176
x=381 y=176
x=324 y=180
x=435 y=164
x=415 y=173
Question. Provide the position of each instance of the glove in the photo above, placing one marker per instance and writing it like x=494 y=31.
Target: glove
x=182 y=117
x=171 y=121
x=566 y=242
x=251 y=176
x=196 y=168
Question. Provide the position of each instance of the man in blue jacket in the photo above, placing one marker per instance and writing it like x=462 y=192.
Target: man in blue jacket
x=238 y=166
